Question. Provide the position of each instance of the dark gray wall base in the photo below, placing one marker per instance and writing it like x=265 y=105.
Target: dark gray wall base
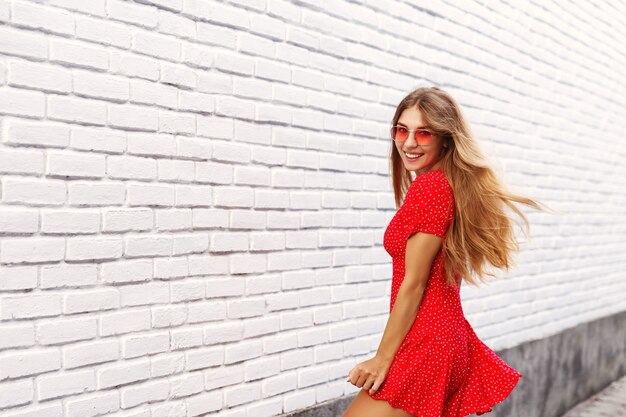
x=558 y=372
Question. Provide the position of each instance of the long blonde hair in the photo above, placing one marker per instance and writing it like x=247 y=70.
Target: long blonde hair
x=481 y=233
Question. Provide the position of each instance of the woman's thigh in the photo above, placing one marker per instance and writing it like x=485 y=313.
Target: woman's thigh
x=365 y=406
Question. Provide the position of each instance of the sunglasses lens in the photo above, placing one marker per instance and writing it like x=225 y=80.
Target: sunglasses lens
x=399 y=133
x=424 y=137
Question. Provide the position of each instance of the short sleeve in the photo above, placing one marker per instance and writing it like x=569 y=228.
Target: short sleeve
x=430 y=205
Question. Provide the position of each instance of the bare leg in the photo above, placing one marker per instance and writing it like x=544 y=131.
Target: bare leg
x=365 y=406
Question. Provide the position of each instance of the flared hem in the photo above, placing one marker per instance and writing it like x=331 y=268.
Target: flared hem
x=485 y=408
x=467 y=411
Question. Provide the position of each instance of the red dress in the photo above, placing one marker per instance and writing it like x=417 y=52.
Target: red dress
x=441 y=369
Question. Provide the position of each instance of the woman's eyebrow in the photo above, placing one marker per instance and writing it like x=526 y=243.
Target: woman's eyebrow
x=420 y=127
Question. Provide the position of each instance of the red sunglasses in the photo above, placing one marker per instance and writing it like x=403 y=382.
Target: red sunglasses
x=423 y=137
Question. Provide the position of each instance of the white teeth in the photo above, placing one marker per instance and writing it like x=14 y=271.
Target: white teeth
x=411 y=155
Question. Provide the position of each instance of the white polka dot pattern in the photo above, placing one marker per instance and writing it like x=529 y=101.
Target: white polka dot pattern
x=441 y=369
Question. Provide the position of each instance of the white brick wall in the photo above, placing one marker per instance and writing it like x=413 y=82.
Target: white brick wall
x=193 y=192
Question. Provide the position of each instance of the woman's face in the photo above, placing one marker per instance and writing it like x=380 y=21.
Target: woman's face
x=430 y=155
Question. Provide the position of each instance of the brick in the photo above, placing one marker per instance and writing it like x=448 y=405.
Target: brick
x=35 y=133
x=223 y=376
x=229 y=15
x=21 y=102
x=86 y=249
x=93 y=7
x=215 y=34
x=88 y=301
x=18 y=278
x=23 y=43
x=124 y=322
x=194 y=148
x=15 y=393
x=118 y=375
x=36 y=249
x=157 y=46
x=42 y=18
x=206 y=311
x=132 y=65
x=96 y=194
x=66 y=331
x=178 y=75
x=167 y=364
x=214 y=83
x=179 y=26
x=103 y=32
x=77 y=110
x=204 y=403
x=125 y=220
x=93 y=405
x=144 y=393
x=89 y=138
x=200 y=9
x=232 y=62
x=131 y=167
x=136 y=14
x=67 y=275
x=78 y=54
x=55 y=409
x=197 y=102
x=154 y=94
x=170 y=219
x=168 y=316
x=17 y=335
x=33 y=362
x=140 y=143
x=184 y=386
x=151 y=293
x=138 y=246
x=100 y=86
x=5 y=11
x=203 y=358
x=187 y=291
x=174 y=122
x=172 y=170
x=33 y=192
x=39 y=76
x=19 y=161
x=198 y=56
x=74 y=382
x=70 y=221
x=90 y=353
x=175 y=5
x=133 y=117
x=186 y=338
x=143 y=345
x=74 y=165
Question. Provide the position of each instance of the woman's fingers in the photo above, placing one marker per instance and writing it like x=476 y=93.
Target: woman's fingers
x=376 y=385
x=361 y=381
x=370 y=376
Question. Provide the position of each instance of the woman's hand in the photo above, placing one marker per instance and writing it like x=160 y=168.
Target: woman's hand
x=370 y=374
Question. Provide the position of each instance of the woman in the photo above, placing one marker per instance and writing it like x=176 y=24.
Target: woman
x=452 y=218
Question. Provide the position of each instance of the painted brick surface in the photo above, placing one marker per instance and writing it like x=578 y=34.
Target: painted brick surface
x=193 y=192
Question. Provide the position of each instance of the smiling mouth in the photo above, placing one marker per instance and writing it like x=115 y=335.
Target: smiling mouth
x=413 y=156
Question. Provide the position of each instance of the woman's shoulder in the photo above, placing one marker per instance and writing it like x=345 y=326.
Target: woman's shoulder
x=431 y=182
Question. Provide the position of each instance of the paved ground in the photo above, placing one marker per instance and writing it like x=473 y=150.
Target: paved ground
x=610 y=402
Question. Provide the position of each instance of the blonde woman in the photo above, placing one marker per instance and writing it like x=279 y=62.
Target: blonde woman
x=451 y=223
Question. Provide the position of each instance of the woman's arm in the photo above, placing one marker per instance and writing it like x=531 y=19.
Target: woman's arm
x=421 y=249
x=429 y=207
